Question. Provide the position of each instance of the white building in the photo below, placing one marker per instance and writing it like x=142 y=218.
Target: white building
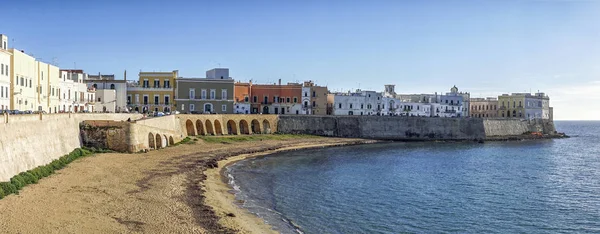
x=359 y=103
x=306 y=102
x=108 y=82
x=537 y=106
x=106 y=100
x=241 y=108
x=5 y=68
x=75 y=95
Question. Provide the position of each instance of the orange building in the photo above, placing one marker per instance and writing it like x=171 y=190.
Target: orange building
x=270 y=98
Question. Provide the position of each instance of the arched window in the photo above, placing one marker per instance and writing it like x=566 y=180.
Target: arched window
x=112 y=86
x=208 y=107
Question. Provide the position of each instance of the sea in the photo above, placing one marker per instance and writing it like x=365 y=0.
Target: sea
x=534 y=186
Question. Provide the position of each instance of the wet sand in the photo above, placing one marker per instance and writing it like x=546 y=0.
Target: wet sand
x=162 y=191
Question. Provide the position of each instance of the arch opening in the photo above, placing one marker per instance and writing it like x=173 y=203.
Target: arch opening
x=171 y=141
x=218 y=128
x=166 y=141
x=209 y=128
x=266 y=127
x=151 y=141
x=189 y=126
x=200 y=128
x=231 y=128
x=158 y=141
x=244 y=129
x=255 y=125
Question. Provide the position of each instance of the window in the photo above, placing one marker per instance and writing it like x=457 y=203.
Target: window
x=340 y=106
x=255 y=99
x=224 y=108
x=166 y=99
x=192 y=94
x=29 y=83
x=287 y=100
x=137 y=98
x=213 y=93
x=99 y=99
x=128 y=99
x=112 y=86
x=203 y=94
x=362 y=106
x=167 y=84
x=156 y=100
x=156 y=83
x=223 y=94
x=295 y=100
x=266 y=100
x=246 y=99
x=314 y=94
x=22 y=82
x=350 y=105
x=145 y=99
x=520 y=104
x=305 y=94
x=208 y=107
x=274 y=99
x=146 y=83
x=192 y=107
x=2 y=65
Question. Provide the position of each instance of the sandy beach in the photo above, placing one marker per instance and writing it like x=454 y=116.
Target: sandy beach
x=172 y=190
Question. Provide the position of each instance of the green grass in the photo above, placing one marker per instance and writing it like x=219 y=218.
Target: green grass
x=245 y=138
x=32 y=176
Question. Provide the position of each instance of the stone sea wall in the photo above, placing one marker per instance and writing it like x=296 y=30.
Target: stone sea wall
x=29 y=141
x=410 y=128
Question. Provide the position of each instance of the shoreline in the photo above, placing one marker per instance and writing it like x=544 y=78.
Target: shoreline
x=222 y=200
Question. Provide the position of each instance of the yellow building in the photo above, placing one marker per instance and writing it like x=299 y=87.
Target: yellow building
x=154 y=91
x=511 y=106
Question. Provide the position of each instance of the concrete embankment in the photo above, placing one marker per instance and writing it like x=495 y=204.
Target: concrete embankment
x=29 y=141
x=411 y=128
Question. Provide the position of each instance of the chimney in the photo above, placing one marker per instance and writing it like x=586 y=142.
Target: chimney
x=125 y=75
x=279 y=81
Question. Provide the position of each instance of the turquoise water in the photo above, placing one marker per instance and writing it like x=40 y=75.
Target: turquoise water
x=546 y=186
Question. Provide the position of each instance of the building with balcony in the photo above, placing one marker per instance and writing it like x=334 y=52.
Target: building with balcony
x=75 y=96
x=484 y=107
x=102 y=82
x=5 y=77
x=524 y=105
x=213 y=94
x=314 y=99
x=457 y=101
x=360 y=103
x=154 y=91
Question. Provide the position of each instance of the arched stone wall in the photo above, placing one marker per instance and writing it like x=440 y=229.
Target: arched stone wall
x=231 y=127
x=244 y=128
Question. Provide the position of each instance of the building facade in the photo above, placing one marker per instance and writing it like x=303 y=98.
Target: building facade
x=270 y=99
x=153 y=92
x=108 y=82
x=106 y=100
x=75 y=95
x=5 y=76
x=314 y=99
x=484 y=107
x=213 y=94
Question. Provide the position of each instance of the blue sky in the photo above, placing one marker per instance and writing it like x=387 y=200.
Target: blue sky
x=483 y=47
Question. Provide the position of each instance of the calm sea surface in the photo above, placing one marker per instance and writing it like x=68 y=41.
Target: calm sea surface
x=547 y=186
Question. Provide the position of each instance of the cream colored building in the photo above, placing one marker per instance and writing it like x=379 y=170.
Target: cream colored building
x=5 y=69
x=24 y=74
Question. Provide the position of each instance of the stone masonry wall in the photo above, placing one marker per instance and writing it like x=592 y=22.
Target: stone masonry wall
x=410 y=128
x=29 y=141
